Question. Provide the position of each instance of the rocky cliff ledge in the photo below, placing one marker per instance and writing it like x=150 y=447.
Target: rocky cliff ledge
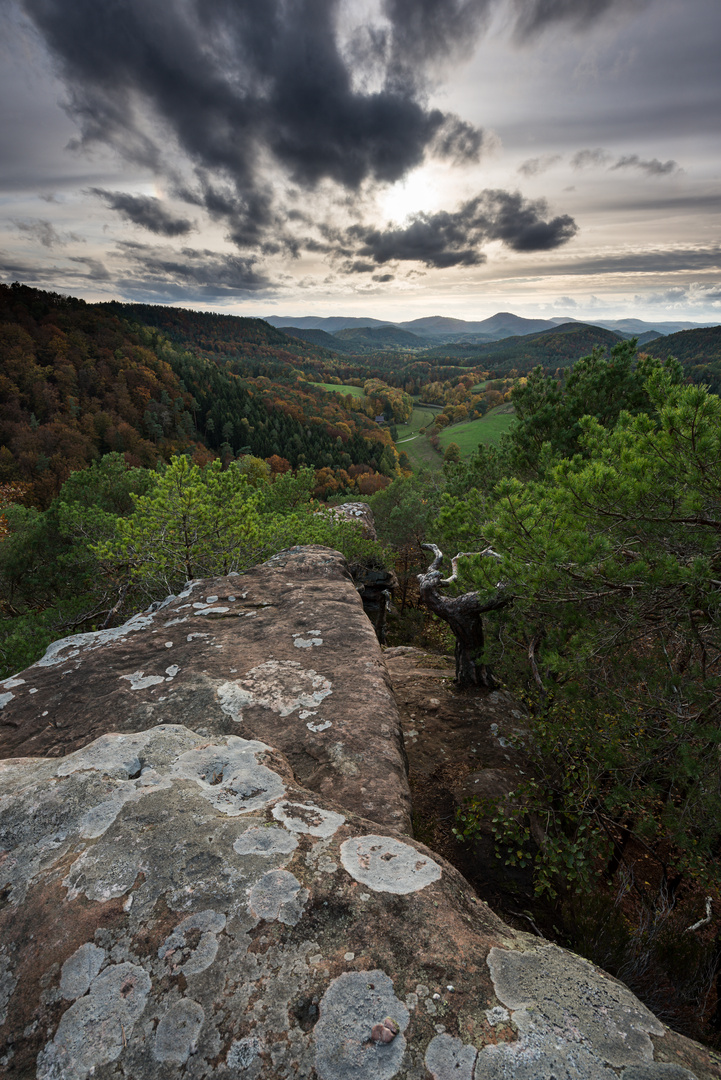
x=206 y=869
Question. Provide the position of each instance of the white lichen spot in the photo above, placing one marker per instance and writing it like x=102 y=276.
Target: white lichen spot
x=319 y=727
x=306 y=818
x=278 y=896
x=191 y=959
x=175 y=622
x=230 y=777
x=192 y=637
x=96 y=1029
x=80 y=969
x=67 y=648
x=208 y=608
x=172 y=671
x=572 y=1021
x=243 y=1053
x=385 y=864
x=10 y=684
x=448 y=1059
x=118 y=756
x=5 y=699
x=168 y=644
x=211 y=599
x=178 y=1031
x=280 y=685
x=308 y=642
x=497 y=1015
x=351 y=1007
x=265 y=841
x=140 y=681
x=33 y=690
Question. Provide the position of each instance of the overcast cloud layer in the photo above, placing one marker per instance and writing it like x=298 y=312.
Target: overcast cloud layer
x=369 y=156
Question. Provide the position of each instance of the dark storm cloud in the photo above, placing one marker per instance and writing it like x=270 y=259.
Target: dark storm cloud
x=145 y=211
x=95 y=268
x=188 y=274
x=429 y=30
x=536 y=166
x=13 y=269
x=458 y=141
x=45 y=233
x=534 y=16
x=586 y=159
x=599 y=158
x=231 y=79
x=359 y=267
x=663 y=260
x=453 y=238
x=654 y=167
x=241 y=87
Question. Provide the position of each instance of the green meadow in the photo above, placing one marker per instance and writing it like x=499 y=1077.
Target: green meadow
x=355 y=391
x=487 y=429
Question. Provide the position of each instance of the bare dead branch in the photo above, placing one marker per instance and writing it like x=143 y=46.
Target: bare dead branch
x=702 y=922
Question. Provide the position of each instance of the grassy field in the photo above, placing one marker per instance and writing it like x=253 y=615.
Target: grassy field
x=419 y=451
x=356 y=391
x=488 y=429
x=468 y=435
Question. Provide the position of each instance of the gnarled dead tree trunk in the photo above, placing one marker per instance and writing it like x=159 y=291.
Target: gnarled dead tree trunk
x=464 y=615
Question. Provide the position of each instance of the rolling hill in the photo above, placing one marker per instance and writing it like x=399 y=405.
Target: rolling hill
x=559 y=346
x=699 y=352
x=381 y=337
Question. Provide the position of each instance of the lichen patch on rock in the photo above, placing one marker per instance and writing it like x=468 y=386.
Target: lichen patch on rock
x=265 y=842
x=306 y=818
x=278 y=895
x=449 y=1059
x=95 y=1030
x=283 y=686
x=385 y=864
x=351 y=1007
x=573 y=1021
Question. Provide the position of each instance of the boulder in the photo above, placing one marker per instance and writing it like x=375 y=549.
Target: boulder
x=283 y=653
x=358 y=512
x=177 y=899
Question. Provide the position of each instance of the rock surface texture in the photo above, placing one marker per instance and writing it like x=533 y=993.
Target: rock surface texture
x=283 y=653
x=184 y=895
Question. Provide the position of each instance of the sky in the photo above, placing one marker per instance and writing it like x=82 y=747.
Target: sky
x=386 y=158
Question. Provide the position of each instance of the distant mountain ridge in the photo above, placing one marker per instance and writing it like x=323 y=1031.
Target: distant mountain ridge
x=437 y=329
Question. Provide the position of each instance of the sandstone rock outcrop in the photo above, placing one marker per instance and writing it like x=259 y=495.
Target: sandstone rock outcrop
x=194 y=885
x=283 y=653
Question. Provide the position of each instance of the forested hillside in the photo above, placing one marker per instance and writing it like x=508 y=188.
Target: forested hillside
x=78 y=381
x=218 y=335
x=558 y=347
x=699 y=352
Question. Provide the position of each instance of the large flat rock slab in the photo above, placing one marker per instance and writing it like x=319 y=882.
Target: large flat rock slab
x=175 y=905
x=283 y=653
